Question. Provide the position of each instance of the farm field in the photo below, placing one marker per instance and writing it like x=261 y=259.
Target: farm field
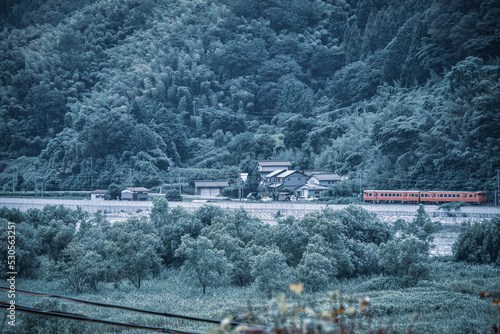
x=448 y=302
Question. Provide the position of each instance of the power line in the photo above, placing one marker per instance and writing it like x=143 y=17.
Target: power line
x=165 y=314
x=74 y=316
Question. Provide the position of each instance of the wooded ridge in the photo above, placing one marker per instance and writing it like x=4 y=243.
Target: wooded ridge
x=95 y=93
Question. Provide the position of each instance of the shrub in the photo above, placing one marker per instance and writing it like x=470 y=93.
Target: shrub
x=174 y=196
x=405 y=257
x=479 y=242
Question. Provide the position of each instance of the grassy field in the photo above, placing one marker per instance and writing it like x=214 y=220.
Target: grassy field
x=448 y=302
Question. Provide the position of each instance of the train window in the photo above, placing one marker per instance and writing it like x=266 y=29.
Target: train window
x=470 y=195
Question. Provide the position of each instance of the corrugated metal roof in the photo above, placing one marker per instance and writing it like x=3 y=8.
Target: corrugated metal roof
x=211 y=184
x=137 y=189
x=327 y=177
x=274 y=163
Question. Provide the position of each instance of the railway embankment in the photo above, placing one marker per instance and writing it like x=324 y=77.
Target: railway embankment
x=265 y=211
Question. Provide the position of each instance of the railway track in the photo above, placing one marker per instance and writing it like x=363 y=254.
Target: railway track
x=256 y=209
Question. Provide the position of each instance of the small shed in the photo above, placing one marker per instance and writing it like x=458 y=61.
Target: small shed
x=135 y=194
x=98 y=195
x=324 y=179
x=209 y=188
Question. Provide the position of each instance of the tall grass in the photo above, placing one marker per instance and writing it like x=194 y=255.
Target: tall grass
x=449 y=302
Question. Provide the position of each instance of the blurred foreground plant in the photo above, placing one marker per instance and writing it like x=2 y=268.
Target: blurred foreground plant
x=345 y=317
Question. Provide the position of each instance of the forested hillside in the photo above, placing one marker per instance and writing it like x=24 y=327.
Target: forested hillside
x=100 y=92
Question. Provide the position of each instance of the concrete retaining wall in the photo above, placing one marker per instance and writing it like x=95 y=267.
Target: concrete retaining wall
x=270 y=208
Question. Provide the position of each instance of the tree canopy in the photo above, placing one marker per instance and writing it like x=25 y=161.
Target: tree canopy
x=406 y=91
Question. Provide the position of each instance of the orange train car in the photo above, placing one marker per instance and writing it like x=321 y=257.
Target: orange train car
x=417 y=196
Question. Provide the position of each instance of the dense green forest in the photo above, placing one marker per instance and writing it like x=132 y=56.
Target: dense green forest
x=100 y=92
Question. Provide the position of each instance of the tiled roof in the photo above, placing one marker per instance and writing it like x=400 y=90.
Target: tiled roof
x=288 y=172
x=278 y=171
x=312 y=187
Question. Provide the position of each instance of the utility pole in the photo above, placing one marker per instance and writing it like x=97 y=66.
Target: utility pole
x=170 y=175
x=360 y=185
x=239 y=185
x=36 y=183
x=194 y=108
x=498 y=186
x=91 y=174
x=13 y=181
x=180 y=185
x=130 y=177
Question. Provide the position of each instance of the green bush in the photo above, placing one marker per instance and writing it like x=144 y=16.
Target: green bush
x=479 y=242
x=174 y=196
x=405 y=257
